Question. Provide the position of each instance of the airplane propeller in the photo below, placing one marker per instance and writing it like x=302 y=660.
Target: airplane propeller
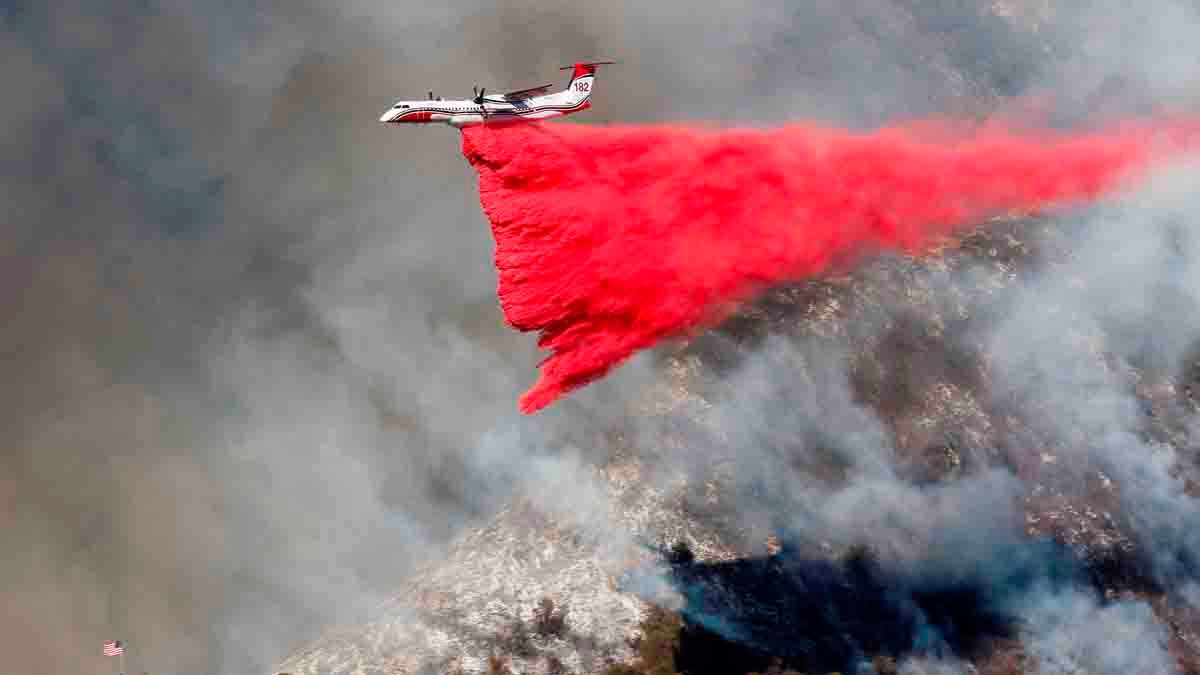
x=479 y=94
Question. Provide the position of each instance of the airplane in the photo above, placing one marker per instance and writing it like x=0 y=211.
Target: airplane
x=534 y=103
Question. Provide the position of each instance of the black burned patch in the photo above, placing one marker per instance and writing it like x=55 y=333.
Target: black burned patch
x=821 y=615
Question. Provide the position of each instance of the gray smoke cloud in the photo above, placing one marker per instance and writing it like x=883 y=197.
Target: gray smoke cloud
x=254 y=366
x=1069 y=350
x=1069 y=634
x=1066 y=347
x=922 y=666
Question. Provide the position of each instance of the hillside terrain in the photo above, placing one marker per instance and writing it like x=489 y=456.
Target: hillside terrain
x=904 y=336
x=978 y=459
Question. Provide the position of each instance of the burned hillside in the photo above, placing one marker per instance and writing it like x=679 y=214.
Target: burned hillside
x=979 y=457
x=915 y=351
x=260 y=404
x=907 y=501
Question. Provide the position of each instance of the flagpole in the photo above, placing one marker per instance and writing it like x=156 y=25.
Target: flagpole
x=124 y=646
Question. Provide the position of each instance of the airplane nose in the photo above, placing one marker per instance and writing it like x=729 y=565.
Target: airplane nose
x=387 y=116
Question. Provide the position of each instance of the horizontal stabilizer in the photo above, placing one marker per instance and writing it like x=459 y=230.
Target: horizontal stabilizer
x=588 y=64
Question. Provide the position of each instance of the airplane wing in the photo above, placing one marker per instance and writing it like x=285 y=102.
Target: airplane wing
x=527 y=93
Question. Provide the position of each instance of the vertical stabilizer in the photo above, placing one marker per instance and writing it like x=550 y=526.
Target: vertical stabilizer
x=579 y=89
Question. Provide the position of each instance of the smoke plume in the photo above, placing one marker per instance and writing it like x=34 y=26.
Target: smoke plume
x=611 y=239
x=253 y=368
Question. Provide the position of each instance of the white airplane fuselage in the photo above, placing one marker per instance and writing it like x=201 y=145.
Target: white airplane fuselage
x=497 y=110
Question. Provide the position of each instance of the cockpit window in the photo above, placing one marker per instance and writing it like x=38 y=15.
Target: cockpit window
x=399 y=106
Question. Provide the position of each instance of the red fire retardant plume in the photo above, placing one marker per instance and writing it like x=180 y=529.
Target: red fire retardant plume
x=609 y=239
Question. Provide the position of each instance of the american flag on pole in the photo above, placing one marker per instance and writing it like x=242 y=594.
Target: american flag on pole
x=113 y=648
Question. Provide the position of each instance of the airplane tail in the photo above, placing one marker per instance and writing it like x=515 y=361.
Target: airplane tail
x=579 y=89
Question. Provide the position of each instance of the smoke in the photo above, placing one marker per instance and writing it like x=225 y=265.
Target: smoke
x=609 y=240
x=226 y=288
x=1084 y=342
x=254 y=368
x=1070 y=633
x=1073 y=345
x=930 y=667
